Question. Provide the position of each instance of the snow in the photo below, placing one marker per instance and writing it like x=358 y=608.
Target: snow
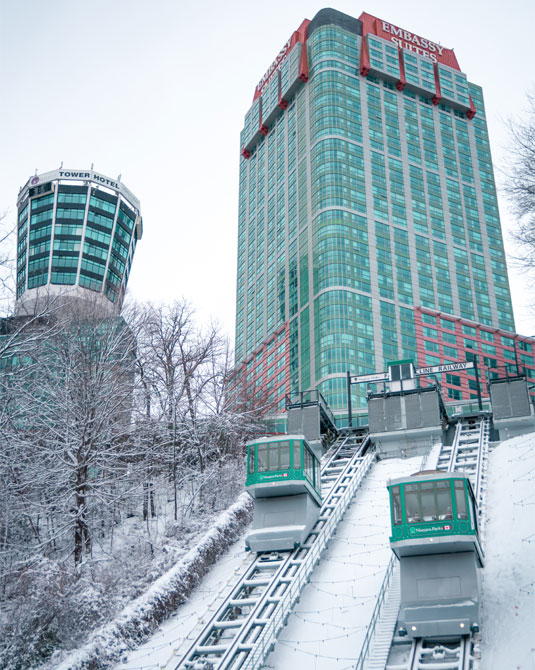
x=508 y=622
x=355 y=561
x=328 y=625
x=139 y=618
x=171 y=641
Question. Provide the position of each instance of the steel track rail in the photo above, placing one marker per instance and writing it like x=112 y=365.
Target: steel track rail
x=451 y=655
x=241 y=632
x=469 y=452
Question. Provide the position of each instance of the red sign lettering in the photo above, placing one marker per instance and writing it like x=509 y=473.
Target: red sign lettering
x=407 y=40
x=299 y=35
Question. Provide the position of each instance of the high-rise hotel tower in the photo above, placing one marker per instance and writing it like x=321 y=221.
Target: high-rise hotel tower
x=368 y=223
x=77 y=234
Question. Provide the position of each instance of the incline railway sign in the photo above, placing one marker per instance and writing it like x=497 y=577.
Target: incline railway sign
x=447 y=367
x=430 y=370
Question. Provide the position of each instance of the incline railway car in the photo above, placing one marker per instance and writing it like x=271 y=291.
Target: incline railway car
x=283 y=478
x=435 y=535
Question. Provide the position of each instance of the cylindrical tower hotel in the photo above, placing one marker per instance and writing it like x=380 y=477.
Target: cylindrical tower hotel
x=77 y=234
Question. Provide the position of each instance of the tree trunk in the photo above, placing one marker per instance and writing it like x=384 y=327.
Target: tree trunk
x=82 y=538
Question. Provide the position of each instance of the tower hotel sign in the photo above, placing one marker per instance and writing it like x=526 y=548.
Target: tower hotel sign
x=79 y=175
x=94 y=176
x=407 y=40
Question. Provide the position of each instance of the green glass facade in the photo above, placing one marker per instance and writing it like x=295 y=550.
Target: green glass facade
x=358 y=203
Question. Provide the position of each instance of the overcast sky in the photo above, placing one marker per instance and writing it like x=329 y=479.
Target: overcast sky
x=156 y=90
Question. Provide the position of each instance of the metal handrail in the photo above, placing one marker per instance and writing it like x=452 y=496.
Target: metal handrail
x=467 y=407
x=481 y=467
x=455 y=446
x=376 y=612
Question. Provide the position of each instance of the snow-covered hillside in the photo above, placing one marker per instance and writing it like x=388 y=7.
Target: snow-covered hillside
x=335 y=607
x=327 y=627
x=508 y=625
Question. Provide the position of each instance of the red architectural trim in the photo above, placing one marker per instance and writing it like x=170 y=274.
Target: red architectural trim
x=283 y=104
x=402 y=80
x=472 y=111
x=303 y=64
x=438 y=93
x=364 y=58
x=299 y=35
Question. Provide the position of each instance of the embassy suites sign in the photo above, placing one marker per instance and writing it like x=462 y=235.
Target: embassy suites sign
x=278 y=60
x=407 y=40
x=298 y=35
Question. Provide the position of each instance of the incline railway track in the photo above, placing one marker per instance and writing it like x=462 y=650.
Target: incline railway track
x=469 y=454
x=459 y=654
x=244 y=628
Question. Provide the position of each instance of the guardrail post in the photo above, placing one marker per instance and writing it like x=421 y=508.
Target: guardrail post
x=349 y=408
x=479 y=402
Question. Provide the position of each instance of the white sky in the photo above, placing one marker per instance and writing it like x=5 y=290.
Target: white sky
x=156 y=90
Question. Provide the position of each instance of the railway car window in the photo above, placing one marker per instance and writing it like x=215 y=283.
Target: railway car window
x=284 y=455
x=473 y=514
x=274 y=456
x=308 y=465
x=412 y=504
x=263 y=457
x=396 y=505
x=444 y=500
x=251 y=460
x=460 y=499
x=297 y=455
x=429 y=507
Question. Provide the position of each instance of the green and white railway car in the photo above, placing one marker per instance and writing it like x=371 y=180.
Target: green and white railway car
x=435 y=535
x=283 y=478
x=433 y=513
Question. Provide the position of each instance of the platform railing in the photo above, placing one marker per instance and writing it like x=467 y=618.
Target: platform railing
x=457 y=408
x=313 y=396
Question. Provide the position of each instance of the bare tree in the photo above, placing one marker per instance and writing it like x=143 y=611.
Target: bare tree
x=100 y=416
x=173 y=365
x=520 y=183
x=72 y=396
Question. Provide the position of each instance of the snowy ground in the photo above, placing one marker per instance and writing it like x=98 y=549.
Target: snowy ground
x=508 y=623
x=140 y=617
x=335 y=607
x=165 y=648
x=328 y=625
